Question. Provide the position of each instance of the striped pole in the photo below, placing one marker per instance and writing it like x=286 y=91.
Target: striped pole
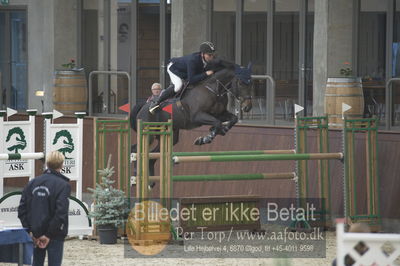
x=224 y=177
x=21 y=156
x=156 y=155
x=234 y=152
x=258 y=157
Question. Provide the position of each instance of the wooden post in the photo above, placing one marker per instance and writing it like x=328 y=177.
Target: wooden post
x=323 y=171
x=303 y=125
x=372 y=216
x=146 y=230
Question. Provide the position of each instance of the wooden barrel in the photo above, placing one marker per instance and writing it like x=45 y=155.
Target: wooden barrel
x=343 y=90
x=70 y=91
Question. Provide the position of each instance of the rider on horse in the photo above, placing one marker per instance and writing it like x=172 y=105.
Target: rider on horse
x=191 y=68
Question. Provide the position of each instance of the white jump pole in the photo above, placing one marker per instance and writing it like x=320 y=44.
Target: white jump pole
x=22 y=156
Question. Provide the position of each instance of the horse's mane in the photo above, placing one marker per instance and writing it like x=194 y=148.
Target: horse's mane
x=226 y=72
x=221 y=68
x=225 y=69
x=217 y=65
x=220 y=64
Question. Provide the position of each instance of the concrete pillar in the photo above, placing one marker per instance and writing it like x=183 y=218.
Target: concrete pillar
x=52 y=41
x=333 y=44
x=65 y=32
x=40 y=53
x=189 y=23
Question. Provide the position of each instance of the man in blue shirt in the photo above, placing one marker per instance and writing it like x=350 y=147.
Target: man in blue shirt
x=191 y=68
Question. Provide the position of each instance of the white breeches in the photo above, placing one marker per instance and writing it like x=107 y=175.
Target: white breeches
x=177 y=81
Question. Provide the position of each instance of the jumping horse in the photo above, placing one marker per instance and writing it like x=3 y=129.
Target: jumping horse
x=204 y=104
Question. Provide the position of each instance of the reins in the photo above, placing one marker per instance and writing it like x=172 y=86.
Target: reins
x=226 y=90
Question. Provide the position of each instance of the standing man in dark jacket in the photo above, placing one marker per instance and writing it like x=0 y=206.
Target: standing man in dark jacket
x=191 y=68
x=43 y=210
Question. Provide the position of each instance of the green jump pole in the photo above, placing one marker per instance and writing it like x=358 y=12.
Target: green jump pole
x=258 y=157
x=223 y=177
x=188 y=178
x=233 y=152
x=156 y=155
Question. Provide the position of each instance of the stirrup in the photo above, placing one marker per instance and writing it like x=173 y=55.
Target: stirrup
x=152 y=109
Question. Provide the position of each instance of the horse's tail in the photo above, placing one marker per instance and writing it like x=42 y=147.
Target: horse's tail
x=132 y=117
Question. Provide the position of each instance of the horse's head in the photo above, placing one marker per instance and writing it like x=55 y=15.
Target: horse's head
x=243 y=86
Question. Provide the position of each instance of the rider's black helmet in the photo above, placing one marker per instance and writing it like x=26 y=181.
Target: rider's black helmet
x=207 y=47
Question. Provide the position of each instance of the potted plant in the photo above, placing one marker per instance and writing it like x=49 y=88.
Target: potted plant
x=110 y=208
x=70 y=65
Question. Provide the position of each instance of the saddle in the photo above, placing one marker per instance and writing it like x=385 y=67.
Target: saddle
x=186 y=86
x=177 y=97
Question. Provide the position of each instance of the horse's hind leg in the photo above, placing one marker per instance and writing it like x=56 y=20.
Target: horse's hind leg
x=152 y=162
x=175 y=137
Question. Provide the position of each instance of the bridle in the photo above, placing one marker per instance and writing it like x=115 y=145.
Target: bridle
x=227 y=89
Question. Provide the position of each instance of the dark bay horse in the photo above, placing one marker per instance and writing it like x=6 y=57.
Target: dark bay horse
x=205 y=104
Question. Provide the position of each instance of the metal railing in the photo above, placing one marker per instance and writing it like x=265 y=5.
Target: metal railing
x=107 y=73
x=270 y=98
x=389 y=103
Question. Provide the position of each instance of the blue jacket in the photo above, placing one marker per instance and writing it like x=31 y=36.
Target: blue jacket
x=189 y=67
x=43 y=208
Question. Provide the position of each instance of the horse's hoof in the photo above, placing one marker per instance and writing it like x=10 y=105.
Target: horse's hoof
x=151 y=185
x=225 y=129
x=199 y=141
x=207 y=140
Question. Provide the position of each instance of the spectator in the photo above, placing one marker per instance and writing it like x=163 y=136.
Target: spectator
x=155 y=90
x=43 y=210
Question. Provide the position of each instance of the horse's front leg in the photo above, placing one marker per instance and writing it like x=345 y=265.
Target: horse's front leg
x=229 y=120
x=207 y=119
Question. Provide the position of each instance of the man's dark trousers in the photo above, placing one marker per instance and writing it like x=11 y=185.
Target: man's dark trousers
x=54 y=251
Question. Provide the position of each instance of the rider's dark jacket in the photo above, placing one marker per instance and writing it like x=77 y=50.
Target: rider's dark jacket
x=189 y=67
x=43 y=208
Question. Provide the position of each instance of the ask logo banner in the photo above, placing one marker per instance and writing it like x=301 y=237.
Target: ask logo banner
x=67 y=139
x=64 y=141
x=16 y=141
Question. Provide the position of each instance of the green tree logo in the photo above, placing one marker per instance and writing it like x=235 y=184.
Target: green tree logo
x=67 y=142
x=20 y=141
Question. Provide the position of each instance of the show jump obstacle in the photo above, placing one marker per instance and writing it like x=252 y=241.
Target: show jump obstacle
x=375 y=248
x=353 y=179
x=18 y=137
x=146 y=130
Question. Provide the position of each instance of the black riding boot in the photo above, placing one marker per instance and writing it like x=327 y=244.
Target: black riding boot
x=165 y=94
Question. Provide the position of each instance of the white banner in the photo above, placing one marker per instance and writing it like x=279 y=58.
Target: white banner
x=17 y=137
x=79 y=224
x=67 y=139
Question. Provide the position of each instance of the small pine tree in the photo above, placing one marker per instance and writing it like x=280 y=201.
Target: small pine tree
x=110 y=205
